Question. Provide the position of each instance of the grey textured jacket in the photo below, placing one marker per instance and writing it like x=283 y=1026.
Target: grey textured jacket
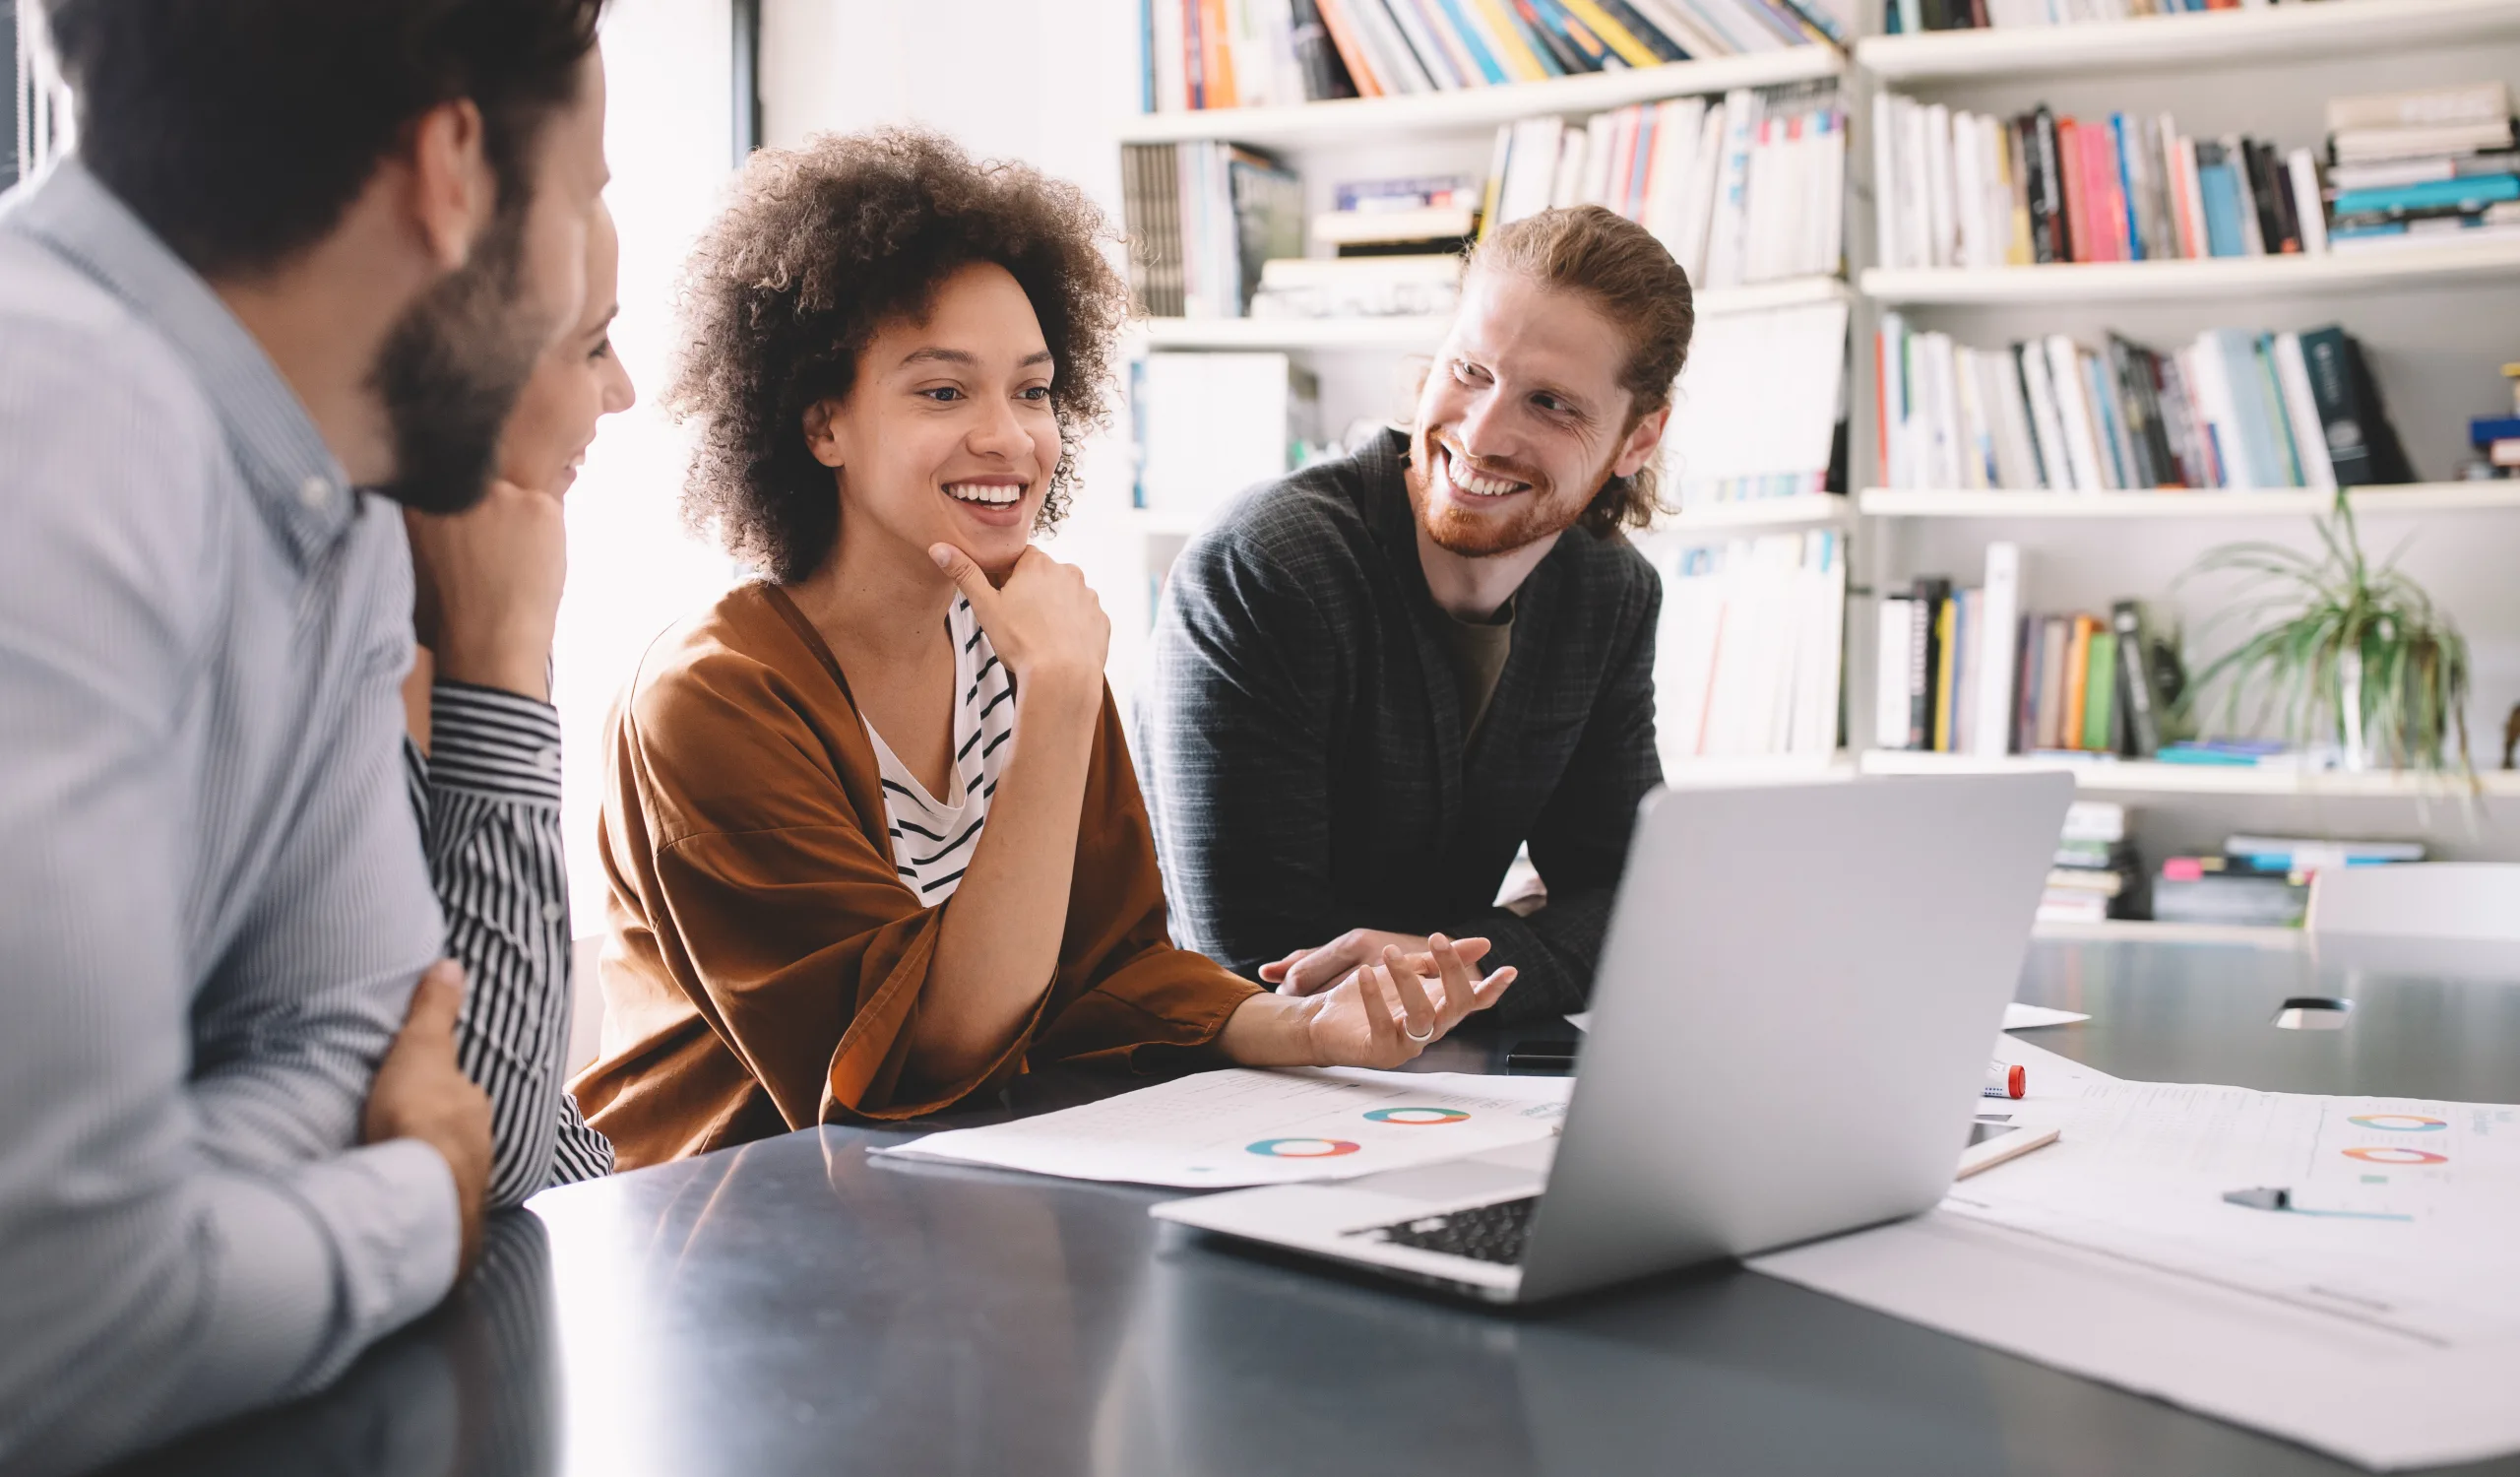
x=1302 y=745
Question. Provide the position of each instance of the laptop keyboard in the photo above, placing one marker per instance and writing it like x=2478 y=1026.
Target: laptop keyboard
x=1482 y=1233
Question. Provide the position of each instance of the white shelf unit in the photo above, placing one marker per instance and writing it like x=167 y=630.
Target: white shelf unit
x=1476 y=108
x=2217 y=280
x=1818 y=510
x=2367 y=502
x=2430 y=316
x=1416 y=335
x=2274 y=60
x=2100 y=774
x=2329 y=29
x=1812 y=510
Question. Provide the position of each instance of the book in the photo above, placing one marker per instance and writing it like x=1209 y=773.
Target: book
x=1747 y=658
x=2304 y=171
x=2138 y=684
x=2077 y=682
x=2282 y=853
x=1349 y=227
x=2219 y=184
x=1928 y=595
x=2055 y=648
x=2361 y=145
x=1894 y=633
x=2099 y=699
x=2426 y=107
x=1947 y=653
x=2198 y=891
x=1998 y=656
x=2361 y=446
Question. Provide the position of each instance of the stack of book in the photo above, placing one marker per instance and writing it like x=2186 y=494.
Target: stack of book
x=1973 y=672
x=1758 y=412
x=1742 y=189
x=1202 y=218
x=1395 y=250
x=1746 y=660
x=1968 y=190
x=2095 y=875
x=1418 y=215
x=1229 y=53
x=2412 y=167
x=2262 y=880
x=1908 y=17
x=2496 y=438
x=2234 y=409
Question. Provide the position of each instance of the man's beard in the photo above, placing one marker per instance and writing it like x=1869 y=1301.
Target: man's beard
x=1545 y=511
x=451 y=371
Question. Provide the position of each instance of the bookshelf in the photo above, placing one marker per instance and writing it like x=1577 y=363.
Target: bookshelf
x=2432 y=320
x=2447 y=264
x=2437 y=319
x=2329 y=29
x=1477 y=109
x=2371 y=502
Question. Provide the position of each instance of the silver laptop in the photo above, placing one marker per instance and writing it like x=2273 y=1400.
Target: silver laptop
x=1790 y=1033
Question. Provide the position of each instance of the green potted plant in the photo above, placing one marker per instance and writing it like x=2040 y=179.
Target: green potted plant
x=2341 y=651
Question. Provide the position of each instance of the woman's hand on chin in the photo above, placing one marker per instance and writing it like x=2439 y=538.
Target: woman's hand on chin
x=1043 y=622
x=1381 y=1015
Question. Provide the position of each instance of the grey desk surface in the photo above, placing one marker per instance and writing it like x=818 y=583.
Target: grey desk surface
x=794 y=1307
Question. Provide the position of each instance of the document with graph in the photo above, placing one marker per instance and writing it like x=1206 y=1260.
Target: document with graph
x=2375 y=1316
x=1243 y=1127
x=2398 y=1213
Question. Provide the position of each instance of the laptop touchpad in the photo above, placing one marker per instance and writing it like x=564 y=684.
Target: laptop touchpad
x=1520 y=1170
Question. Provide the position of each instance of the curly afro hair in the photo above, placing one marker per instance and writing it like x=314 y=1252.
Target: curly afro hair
x=818 y=247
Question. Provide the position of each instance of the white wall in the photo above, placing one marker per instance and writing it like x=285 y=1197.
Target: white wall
x=668 y=134
x=1042 y=80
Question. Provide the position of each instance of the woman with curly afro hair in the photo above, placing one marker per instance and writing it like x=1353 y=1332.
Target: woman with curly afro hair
x=873 y=839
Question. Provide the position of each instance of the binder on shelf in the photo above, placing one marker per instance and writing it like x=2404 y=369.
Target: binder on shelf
x=1758 y=409
x=1747 y=660
x=1209 y=426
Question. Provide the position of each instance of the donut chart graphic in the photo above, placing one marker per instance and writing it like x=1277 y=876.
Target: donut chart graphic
x=2392 y=1154
x=2398 y=1122
x=1417 y=1117
x=1303 y=1148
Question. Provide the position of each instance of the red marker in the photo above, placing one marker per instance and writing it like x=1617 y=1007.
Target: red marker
x=2006 y=1081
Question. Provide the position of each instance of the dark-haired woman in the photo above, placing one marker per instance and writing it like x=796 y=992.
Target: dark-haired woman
x=874 y=841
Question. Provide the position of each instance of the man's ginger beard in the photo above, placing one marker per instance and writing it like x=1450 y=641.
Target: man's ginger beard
x=1546 y=513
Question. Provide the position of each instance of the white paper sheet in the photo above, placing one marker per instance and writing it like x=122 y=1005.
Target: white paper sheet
x=2017 y=1018
x=1244 y=1127
x=2386 y=1331
x=2021 y=1017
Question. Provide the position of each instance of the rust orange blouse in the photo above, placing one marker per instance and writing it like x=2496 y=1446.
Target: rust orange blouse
x=765 y=960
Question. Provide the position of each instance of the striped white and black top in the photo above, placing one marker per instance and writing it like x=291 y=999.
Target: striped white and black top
x=488 y=800
x=933 y=838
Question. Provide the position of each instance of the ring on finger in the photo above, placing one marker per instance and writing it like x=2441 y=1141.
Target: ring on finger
x=1415 y=1036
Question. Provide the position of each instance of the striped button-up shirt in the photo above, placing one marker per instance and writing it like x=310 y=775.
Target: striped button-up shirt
x=212 y=897
x=488 y=796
